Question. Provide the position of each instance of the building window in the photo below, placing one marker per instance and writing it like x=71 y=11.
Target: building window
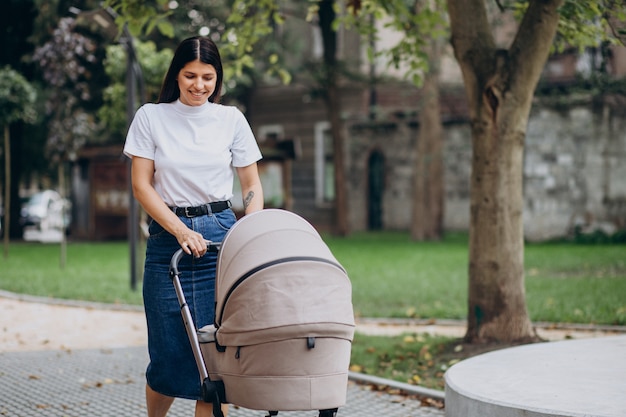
x=324 y=165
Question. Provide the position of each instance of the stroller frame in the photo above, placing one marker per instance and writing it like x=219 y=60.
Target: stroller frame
x=212 y=391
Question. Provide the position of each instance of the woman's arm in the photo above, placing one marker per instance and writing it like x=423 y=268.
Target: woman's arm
x=251 y=189
x=142 y=174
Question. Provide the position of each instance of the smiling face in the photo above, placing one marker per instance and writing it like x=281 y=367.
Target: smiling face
x=196 y=81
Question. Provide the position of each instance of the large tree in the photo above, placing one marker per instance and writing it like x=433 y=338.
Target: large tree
x=500 y=85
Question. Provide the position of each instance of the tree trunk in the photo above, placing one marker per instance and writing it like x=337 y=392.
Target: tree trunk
x=63 y=242
x=499 y=86
x=428 y=197
x=17 y=145
x=342 y=227
x=7 y=189
x=326 y=15
x=497 y=303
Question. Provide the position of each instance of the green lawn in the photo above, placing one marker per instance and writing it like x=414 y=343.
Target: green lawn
x=93 y=272
x=565 y=282
x=391 y=276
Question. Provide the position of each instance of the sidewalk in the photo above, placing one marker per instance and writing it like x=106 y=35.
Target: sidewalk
x=77 y=360
x=110 y=382
x=32 y=323
x=71 y=359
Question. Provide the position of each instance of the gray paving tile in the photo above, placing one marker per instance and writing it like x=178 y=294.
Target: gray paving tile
x=111 y=383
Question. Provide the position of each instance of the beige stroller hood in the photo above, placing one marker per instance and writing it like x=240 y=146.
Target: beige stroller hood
x=283 y=319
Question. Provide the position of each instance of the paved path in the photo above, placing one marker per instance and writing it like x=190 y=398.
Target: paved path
x=56 y=325
x=110 y=383
x=32 y=323
x=72 y=359
x=78 y=360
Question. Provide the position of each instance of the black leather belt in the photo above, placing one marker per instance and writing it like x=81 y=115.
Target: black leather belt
x=202 y=210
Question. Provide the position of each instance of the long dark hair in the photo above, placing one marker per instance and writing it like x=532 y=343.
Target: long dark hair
x=191 y=49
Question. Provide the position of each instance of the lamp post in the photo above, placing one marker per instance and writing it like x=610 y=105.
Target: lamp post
x=134 y=85
x=135 y=89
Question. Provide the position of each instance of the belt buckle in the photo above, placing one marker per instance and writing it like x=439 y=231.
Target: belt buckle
x=187 y=212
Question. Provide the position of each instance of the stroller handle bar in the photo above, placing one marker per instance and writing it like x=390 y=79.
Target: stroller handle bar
x=178 y=255
x=210 y=391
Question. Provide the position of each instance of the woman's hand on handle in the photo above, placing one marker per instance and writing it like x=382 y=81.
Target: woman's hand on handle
x=193 y=243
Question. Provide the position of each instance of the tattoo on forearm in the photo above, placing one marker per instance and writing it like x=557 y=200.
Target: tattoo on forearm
x=248 y=199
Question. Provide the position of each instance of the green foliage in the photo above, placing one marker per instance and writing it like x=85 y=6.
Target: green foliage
x=141 y=16
x=599 y=237
x=17 y=97
x=251 y=22
x=420 y=25
x=112 y=114
x=193 y=17
x=584 y=23
x=154 y=65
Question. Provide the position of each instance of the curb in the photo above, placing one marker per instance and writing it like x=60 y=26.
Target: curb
x=463 y=323
x=407 y=388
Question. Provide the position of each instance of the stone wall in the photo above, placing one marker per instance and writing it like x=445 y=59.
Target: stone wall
x=574 y=170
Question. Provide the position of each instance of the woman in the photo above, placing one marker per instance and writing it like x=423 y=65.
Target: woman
x=183 y=151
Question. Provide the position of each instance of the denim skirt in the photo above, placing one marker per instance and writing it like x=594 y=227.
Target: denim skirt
x=172 y=370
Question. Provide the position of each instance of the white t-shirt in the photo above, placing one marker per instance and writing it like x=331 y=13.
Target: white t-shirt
x=194 y=149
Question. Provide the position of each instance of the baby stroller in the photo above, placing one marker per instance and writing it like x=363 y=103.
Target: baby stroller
x=284 y=322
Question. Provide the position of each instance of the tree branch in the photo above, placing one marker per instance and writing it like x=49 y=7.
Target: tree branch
x=531 y=47
x=473 y=43
x=613 y=22
x=471 y=31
